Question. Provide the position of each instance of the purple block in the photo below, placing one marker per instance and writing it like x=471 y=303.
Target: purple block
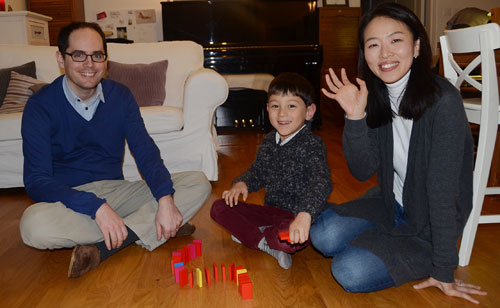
x=192 y=251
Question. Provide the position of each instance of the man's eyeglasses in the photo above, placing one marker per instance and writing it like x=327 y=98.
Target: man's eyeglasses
x=80 y=56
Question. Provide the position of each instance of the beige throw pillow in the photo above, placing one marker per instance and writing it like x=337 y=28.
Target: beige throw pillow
x=18 y=92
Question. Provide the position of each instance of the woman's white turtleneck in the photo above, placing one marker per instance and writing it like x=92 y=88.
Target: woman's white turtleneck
x=401 y=130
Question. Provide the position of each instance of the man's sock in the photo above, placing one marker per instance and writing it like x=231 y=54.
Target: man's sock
x=284 y=259
x=105 y=253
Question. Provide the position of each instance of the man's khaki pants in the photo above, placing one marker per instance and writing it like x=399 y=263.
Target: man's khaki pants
x=53 y=225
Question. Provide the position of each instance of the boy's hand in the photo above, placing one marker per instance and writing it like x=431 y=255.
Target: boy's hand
x=231 y=196
x=299 y=228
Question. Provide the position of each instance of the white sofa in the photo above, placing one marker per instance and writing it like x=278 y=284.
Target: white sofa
x=182 y=128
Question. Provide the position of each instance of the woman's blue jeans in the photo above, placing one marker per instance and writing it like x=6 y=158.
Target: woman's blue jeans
x=355 y=269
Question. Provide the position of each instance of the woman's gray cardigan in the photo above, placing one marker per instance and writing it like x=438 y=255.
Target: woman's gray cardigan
x=437 y=193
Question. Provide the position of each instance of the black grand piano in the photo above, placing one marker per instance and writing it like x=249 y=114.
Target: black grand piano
x=247 y=37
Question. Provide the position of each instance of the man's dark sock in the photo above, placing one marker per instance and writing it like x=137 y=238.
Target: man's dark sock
x=105 y=253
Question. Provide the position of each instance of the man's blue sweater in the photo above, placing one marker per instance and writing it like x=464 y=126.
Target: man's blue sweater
x=62 y=150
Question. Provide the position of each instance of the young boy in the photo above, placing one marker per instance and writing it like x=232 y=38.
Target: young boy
x=292 y=166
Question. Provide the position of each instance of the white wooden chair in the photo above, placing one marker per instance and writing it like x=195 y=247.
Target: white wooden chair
x=483 y=111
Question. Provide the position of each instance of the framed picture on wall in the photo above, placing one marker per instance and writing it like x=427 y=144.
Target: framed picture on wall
x=335 y=2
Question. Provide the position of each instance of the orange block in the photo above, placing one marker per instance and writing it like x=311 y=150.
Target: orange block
x=191 y=282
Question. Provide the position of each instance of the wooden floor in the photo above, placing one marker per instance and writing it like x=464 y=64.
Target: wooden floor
x=135 y=277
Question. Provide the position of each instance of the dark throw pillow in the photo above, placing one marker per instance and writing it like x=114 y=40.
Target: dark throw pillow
x=146 y=81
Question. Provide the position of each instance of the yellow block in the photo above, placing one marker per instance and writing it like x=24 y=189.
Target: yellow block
x=199 y=278
x=240 y=271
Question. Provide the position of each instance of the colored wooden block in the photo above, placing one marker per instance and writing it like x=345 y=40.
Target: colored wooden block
x=246 y=290
x=182 y=254
x=192 y=251
x=216 y=273
x=199 y=278
x=190 y=277
x=243 y=280
x=223 y=271
x=183 y=277
x=207 y=276
x=284 y=236
x=231 y=272
x=185 y=251
x=197 y=243
x=242 y=276
x=177 y=271
x=238 y=272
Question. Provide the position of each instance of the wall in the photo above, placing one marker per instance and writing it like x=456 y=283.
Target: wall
x=92 y=7
x=438 y=12
x=17 y=5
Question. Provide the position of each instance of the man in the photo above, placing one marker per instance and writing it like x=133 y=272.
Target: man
x=74 y=132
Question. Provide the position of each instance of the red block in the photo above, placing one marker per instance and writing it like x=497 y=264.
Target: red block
x=246 y=289
x=207 y=275
x=231 y=273
x=183 y=260
x=216 y=273
x=197 y=243
x=223 y=271
x=176 y=258
x=243 y=281
x=185 y=251
x=191 y=279
x=183 y=277
x=234 y=271
x=284 y=236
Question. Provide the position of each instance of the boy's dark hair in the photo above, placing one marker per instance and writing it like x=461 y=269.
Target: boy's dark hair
x=421 y=88
x=293 y=84
x=63 y=38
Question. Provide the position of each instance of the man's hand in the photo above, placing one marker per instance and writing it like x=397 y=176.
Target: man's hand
x=168 y=218
x=111 y=225
x=231 y=196
x=299 y=228
x=457 y=288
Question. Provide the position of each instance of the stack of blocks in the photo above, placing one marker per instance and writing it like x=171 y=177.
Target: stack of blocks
x=183 y=276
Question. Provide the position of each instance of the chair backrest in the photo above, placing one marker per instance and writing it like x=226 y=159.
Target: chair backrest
x=483 y=39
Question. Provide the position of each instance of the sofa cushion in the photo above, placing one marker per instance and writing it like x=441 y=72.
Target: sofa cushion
x=28 y=69
x=146 y=81
x=18 y=92
x=162 y=119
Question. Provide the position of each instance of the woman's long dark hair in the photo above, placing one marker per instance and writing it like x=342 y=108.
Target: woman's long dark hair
x=421 y=88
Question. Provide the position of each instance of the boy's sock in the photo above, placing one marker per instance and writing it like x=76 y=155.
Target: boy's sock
x=105 y=253
x=235 y=239
x=261 y=229
x=284 y=259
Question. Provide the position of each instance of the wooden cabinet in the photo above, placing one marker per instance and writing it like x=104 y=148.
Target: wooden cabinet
x=338 y=34
x=63 y=12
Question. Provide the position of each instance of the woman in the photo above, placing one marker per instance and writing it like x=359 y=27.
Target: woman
x=408 y=126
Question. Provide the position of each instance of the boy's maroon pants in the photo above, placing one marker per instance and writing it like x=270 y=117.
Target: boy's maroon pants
x=243 y=221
